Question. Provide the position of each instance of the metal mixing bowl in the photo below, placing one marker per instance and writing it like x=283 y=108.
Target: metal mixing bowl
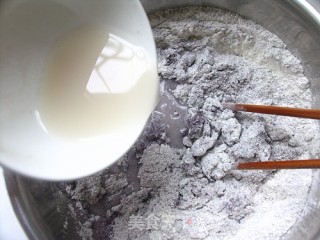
x=296 y=22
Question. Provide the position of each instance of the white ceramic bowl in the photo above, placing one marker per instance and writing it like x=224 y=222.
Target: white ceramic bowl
x=28 y=32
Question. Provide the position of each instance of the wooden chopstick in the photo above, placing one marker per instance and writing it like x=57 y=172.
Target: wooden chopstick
x=287 y=164
x=275 y=110
x=266 y=109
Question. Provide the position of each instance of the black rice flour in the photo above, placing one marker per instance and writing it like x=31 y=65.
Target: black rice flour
x=186 y=190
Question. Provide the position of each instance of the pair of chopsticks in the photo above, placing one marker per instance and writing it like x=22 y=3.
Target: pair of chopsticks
x=275 y=110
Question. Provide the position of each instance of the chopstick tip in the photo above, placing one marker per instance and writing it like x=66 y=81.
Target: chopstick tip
x=229 y=105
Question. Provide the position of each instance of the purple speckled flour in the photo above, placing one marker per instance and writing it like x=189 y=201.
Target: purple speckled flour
x=186 y=190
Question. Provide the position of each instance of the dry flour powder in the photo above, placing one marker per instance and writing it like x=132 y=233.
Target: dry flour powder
x=208 y=56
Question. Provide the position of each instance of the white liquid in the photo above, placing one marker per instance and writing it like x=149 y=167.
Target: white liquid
x=95 y=84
